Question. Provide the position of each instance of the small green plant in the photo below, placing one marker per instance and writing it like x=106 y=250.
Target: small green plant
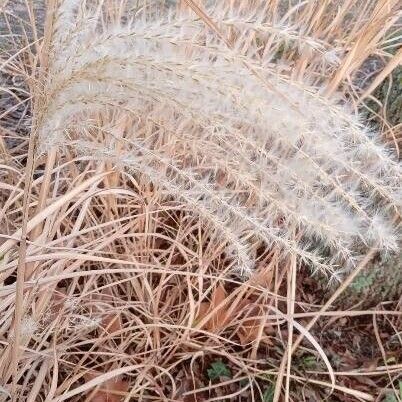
x=390 y=398
x=363 y=282
x=393 y=397
x=217 y=370
x=309 y=362
x=390 y=97
x=379 y=282
x=390 y=94
x=268 y=395
x=306 y=362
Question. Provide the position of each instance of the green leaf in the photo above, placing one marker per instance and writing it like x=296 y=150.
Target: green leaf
x=309 y=362
x=218 y=369
x=269 y=394
x=390 y=398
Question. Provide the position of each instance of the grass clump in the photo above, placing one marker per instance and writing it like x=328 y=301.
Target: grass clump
x=210 y=125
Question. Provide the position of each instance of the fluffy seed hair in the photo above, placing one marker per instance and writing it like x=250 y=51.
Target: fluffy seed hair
x=262 y=158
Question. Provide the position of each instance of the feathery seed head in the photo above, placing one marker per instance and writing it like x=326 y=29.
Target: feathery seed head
x=297 y=170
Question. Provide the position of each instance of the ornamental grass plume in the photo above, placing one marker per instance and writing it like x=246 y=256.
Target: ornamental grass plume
x=261 y=158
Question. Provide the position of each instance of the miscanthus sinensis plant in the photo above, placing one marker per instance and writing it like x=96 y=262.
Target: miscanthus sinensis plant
x=261 y=159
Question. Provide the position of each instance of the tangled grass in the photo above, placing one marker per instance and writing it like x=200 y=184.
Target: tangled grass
x=183 y=161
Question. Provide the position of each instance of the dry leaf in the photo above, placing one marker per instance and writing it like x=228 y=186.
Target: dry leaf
x=219 y=318
x=263 y=277
x=111 y=322
x=186 y=387
x=203 y=311
x=248 y=330
x=110 y=391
